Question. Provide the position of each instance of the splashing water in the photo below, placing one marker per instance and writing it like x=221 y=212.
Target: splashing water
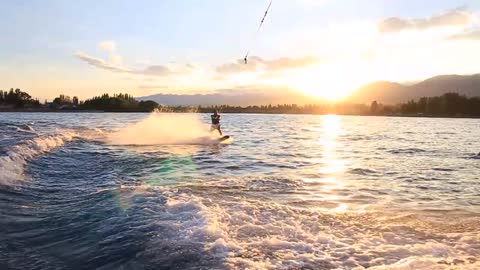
x=12 y=165
x=164 y=129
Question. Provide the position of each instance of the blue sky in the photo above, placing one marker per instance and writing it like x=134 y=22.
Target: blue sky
x=50 y=47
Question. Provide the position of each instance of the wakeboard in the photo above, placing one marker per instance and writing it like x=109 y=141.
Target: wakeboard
x=224 y=138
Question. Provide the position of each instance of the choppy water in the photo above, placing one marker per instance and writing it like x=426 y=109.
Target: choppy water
x=290 y=192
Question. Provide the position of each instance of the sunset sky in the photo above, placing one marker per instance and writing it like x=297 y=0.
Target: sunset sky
x=323 y=47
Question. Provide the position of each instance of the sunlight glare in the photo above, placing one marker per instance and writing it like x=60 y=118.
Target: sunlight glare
x=332 y=82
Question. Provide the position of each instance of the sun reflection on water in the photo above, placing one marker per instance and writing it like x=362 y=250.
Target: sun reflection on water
x=329 y=183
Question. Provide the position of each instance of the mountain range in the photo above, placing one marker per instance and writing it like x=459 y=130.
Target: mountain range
x=393 y=93
x=383 y=92
x=235 y=97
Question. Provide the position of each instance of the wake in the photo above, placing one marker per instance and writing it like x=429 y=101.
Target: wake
x=165 y=129
x=156 y=129
x=12 y=165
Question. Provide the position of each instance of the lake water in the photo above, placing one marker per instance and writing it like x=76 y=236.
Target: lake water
x=140 y=191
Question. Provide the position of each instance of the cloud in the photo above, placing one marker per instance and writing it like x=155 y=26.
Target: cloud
x=100 y=63
x=252 y=89
x=114 y=63
x=256 y=63
x=190 y=66
x=108 y=45
x=270 y=75
x=471 y=35
x=240 y=66
x=290 y=63
x=154 y=70
x=153 y=87
x=456 y=17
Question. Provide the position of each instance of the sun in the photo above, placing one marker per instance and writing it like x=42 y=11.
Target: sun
x=330 y=82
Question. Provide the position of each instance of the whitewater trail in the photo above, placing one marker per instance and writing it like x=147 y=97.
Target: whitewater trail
x=156 y=129
x=248 y=233
x=164 y=129
x=12 y=164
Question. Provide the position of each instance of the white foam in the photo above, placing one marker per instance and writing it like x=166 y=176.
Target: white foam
x=429 y=263
x=253 y=233
x=248 y=232
x=164 y=129
x=13 y=163
x=23 y=128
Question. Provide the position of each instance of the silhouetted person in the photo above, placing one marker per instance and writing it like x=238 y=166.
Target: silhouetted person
x=216 y=122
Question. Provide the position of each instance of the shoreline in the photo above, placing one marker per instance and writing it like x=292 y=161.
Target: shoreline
x=277 y=113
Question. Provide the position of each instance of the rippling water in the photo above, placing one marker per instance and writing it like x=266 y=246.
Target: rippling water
x=289 y=192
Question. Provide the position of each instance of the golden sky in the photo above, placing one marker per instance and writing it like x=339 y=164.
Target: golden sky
x=327 y=57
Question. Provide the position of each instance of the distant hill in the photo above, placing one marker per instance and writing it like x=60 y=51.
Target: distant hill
x=384 y=92
x=392 y=93
x=465 y=85
x=234 y=98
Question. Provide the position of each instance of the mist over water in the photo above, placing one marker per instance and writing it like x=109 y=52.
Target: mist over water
x=164 y=129
x=154 y=191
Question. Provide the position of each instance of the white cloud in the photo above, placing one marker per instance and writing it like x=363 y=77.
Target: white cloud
x=146 y=86
x=290 y=63
x=467 y=35
x=256 y=63
x=108 y=45
x=114 y=63
x=100 y=63
x=456 y=17
x=111 y=47
x=240 y=66
x=154 y=70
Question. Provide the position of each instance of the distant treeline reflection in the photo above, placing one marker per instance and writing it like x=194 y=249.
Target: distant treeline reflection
x=448 y=105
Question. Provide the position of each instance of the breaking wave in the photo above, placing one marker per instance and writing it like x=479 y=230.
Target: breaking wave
x=22 y=128
x=257 y=233
x=13 y=163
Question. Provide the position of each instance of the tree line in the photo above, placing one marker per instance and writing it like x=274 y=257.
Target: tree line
x=340 y=108
x=18 y=99
x=449 y=105
x=118 y=103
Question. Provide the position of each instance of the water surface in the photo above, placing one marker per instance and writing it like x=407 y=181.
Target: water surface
x=289 y=192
